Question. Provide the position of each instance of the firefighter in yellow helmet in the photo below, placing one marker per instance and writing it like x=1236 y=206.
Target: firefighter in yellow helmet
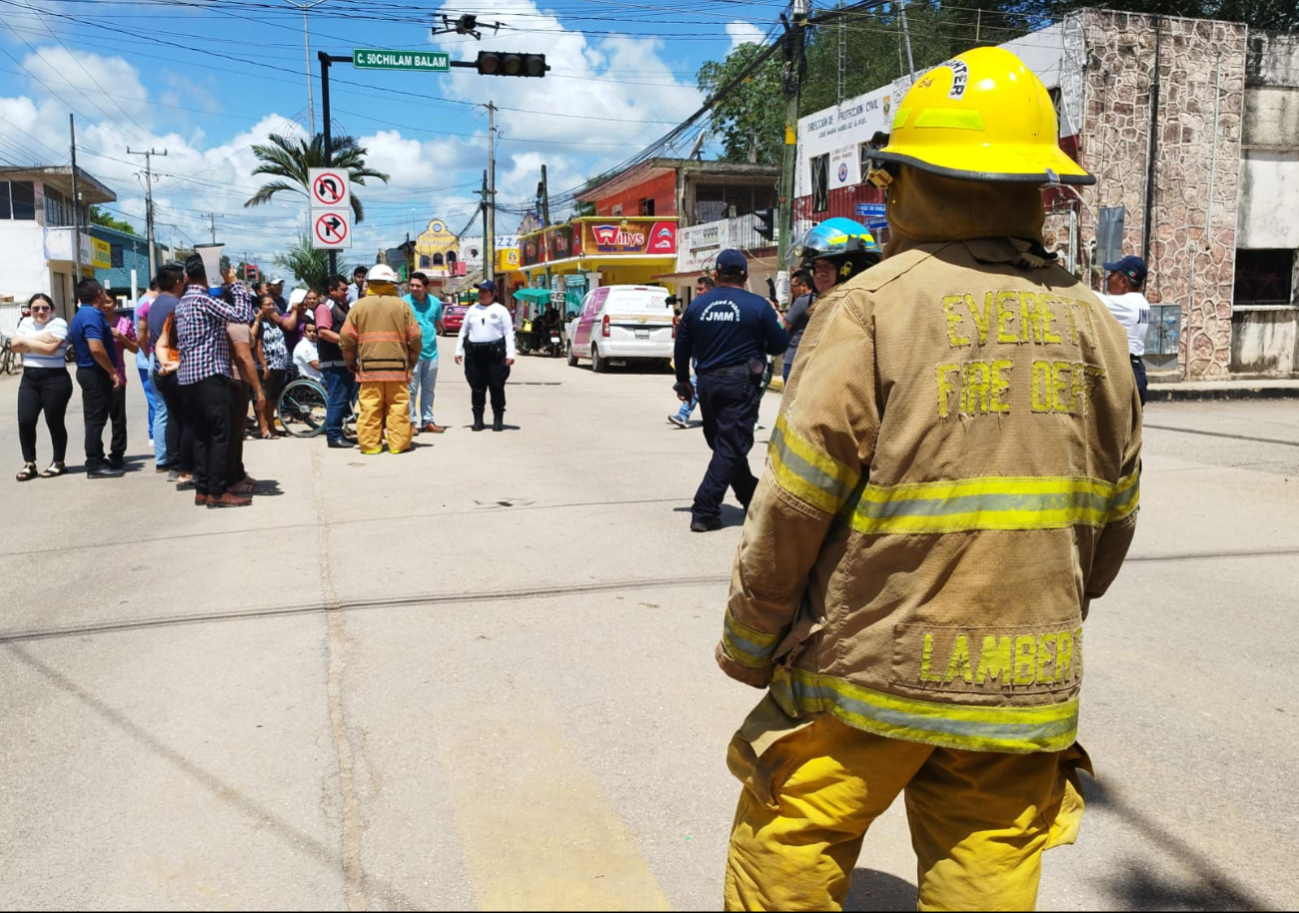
x=951 y=483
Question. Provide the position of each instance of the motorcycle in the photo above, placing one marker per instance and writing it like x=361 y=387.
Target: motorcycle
x=554 y=347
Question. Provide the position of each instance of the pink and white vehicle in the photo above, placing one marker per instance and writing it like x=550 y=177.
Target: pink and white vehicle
x=619 y=323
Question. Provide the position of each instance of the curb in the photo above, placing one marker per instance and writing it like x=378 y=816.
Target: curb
x=1238 y=390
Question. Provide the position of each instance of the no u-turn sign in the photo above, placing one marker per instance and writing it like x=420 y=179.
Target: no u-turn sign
x=330 y=188
x=331 y=229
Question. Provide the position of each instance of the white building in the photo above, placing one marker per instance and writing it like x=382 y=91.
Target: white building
x=36 y=235
x=471 y=250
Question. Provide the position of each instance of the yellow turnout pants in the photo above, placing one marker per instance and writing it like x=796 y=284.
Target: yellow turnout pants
x=378 y=402
x=979 y=820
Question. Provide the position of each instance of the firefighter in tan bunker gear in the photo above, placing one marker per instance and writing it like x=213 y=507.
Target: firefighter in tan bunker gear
x=951 y=481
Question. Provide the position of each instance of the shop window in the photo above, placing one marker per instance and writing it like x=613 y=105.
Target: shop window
x=723 y=201
x=820 y=182
x=1264 y=277
x=647 y=207
x=23 y=199
x=115 y=255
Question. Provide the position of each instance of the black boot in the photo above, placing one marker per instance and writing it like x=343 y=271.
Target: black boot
x=478 y=421
x=498 y=422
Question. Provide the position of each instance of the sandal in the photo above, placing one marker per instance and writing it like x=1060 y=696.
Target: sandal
x=27 y=473
x=55 y=470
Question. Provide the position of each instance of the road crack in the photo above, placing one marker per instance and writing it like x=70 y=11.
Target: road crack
x=339 y=647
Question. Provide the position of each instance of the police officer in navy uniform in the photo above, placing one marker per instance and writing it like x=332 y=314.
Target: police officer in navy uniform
x=729 y=332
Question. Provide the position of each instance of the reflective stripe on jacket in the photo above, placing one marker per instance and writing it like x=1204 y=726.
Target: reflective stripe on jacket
x=383 y=332
x=953 y=477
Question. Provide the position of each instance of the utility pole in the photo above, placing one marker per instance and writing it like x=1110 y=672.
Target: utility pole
x=211 y=219
x=911 y=63
x=487 y=266
x=545 y=219
x=148 y=201
x=791 y=83
x=489 y=214
x=76 y=200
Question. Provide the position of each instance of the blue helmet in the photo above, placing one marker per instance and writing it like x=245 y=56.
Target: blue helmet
x=835 y=237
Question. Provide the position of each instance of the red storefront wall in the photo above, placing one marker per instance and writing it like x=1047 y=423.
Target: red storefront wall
x=662 y=189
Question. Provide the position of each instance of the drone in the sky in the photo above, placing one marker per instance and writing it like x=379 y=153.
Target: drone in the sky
x=465 y=25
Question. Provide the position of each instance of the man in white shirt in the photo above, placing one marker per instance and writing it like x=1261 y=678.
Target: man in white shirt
x=486 y=349
x=356 y=291
x=306 y=357
x=1127 y=302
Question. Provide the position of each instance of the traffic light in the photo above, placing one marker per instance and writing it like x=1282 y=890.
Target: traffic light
x=765 y=225
x=491 y=63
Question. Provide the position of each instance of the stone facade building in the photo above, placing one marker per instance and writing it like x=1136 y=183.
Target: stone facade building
x=1191 y=128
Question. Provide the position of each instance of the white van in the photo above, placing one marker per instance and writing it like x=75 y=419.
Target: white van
x=620 y=323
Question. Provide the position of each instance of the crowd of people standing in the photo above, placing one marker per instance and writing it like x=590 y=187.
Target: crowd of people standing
x=207 y=349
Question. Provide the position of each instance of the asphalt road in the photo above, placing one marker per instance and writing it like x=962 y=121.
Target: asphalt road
x=481 y=675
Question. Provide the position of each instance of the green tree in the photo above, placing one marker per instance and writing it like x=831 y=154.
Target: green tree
x=750 y=121
x=99 y=216
x=310 y=266
x=290 y=161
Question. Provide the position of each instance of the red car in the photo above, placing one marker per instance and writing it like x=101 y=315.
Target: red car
x=453 y=317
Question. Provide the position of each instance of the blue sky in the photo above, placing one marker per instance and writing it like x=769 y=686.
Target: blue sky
x=206 y=79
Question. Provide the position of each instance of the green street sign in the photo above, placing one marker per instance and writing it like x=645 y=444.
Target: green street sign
x=375 y=59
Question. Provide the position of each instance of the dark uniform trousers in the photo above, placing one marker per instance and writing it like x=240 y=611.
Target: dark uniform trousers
x=240 y=396
x=208 y=404
x=728 y=400
x=117 y=416
x=1139 y=372
x=485 y=369
x=180 y=428
x=96 y=405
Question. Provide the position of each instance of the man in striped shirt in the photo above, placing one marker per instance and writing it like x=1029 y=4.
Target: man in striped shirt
x=205 y=376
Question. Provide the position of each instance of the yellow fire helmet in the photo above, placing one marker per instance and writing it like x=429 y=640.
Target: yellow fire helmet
x=981 y=116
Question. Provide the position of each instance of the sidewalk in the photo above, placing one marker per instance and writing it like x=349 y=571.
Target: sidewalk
x=1188 y=391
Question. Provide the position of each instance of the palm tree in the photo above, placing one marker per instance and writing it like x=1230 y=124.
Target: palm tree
x=310 y=266
x=290 y=159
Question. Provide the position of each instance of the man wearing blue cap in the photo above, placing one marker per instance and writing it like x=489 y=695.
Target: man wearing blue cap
x=486 y=349
x=729 y=333
x=1127 y=302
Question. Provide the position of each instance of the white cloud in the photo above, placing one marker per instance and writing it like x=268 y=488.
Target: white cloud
x=743 y=33
x=86 y=80
x=186 y=93
x=583 y=101
x=586 y=115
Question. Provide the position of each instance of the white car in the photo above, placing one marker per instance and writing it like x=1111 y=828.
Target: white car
x=621 y=323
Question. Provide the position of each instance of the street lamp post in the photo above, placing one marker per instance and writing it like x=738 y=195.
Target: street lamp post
x=306 y=57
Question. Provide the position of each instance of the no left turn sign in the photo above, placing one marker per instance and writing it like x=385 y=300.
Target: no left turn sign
x=331 y=229
x=329 y=188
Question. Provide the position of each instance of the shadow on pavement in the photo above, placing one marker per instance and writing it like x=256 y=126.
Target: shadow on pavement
x=1139 y=887
x=268 y=488
x=231 y=795
x=731 y=515
x=874 y=891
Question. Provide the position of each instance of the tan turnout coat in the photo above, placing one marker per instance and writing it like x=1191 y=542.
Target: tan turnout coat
x=953 y=477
